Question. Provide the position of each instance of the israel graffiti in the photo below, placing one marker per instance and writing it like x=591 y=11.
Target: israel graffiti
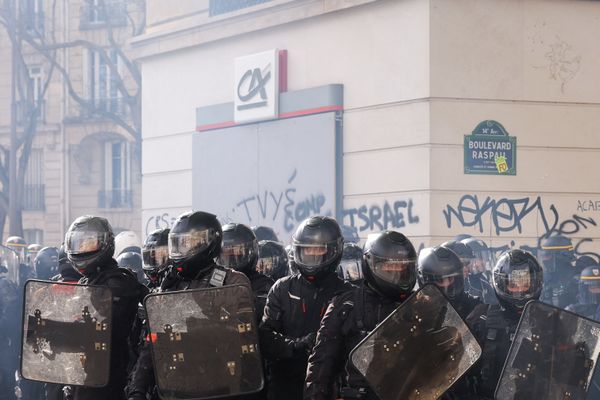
x=377 y=217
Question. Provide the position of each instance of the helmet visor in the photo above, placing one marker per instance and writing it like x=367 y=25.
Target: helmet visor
x=155 y=257
x=81 y=242
x=316 y=255
x=350 y=270
x=237 y=256
x=267 y=265
x=188 y=244
x=519 y=284
x=401 y=272
x=589 y=290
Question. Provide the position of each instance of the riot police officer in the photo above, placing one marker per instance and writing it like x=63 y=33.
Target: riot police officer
x=194 y=243
x=272 y=259
x=478 y=280
x=66 y=271
x=296 y=304
x=390 y=275
x=89 y=244
x=239 y=251
x=589 y=293
x=443 y=268
x=46 y=263
x=557 y=256
x=517 y=279
x=155 y=256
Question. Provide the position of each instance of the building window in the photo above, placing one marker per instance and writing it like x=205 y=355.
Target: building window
x=101 y=83
x=32 y=15
x=36 y=80
x=32 y=236
x=117 y=176
x=34 y=188
x=217 y=7
x=97 y=13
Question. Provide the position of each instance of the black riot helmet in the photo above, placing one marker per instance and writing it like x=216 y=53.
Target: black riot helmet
x=350 y=268
x=239 y=249
x=194 y=242
x=517 y=278
x=318 y=245
x=66 y=270
x=89 y=244
x=442 y=267
x=46 y=263
x=272 y=259
x=390 y=264
x=133 y=262
x=155 y=253
x=464 y=252
x=589 y=285
x=483 y=259
x=556 y=252
x=264 y=233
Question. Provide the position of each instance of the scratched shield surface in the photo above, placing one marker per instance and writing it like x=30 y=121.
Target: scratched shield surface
x=207 y=333
x=275 y=173
x=419 y=351
x=66 y=333
x=553 y=356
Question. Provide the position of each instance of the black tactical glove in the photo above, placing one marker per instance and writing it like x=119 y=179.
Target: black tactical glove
x=305 y=344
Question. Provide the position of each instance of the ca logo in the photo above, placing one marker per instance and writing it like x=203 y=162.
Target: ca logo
x=252 y=83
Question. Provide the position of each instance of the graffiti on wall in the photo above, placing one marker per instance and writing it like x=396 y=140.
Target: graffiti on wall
x=510 y=215
x=379 y=216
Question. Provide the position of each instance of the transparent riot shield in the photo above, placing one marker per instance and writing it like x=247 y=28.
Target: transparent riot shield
x=552 y=357
x=205 y=342
x=9 y=264
x=66 y=333
x=419 y=351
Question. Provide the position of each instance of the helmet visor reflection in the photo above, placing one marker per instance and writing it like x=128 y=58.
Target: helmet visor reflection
x=401 y=273
x=266 y=265
x=81 y=242
x=519 y=283
x=155 y=257
x=310 y=255
x=237 y=255
x=351 y=270
x=187 y=244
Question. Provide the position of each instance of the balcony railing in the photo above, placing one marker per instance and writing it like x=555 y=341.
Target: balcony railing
x=34 y=197
x=98 y=108
x=115 y=199
x=96 y=15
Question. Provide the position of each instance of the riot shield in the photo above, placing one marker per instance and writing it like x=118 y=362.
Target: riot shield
x=552 y=357
x=419 y=351
x=205 y=342
x=9 y=264
x=66 y=333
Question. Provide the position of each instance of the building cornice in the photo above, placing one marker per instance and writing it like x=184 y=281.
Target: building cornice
x=198 y=28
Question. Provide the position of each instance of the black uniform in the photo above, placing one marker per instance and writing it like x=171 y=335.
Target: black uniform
x=518 y=279
x=127 y=293
x=390 y=273
x=348 y=320
x=142 y=379
x=293 y=312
